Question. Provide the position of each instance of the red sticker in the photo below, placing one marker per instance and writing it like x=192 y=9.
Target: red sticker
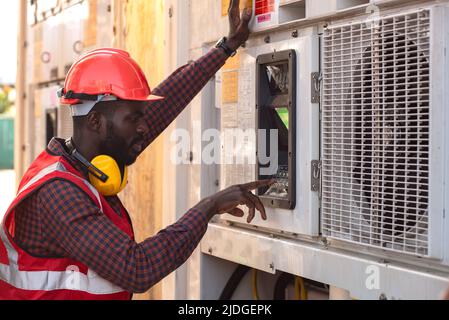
x=264 y=18
x=264 y=6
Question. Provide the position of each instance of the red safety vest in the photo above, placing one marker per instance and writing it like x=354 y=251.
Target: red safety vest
x=23 y=276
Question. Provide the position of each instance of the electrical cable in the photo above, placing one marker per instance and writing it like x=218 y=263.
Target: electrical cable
x=300 y=289
x=281 y=284
x=254 y=285
x=305 y=293
x=233 y=282
x=283 y=281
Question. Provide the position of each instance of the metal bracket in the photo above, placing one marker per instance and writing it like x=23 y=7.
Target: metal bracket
x=315 y=175
x=315 y=87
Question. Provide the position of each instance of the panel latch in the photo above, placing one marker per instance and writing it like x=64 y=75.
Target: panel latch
x=316 y=85
x=316 y=175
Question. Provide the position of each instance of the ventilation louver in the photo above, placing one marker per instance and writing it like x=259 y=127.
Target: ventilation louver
x=375 y=133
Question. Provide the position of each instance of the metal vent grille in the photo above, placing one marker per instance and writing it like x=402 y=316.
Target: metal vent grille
x=375 y=133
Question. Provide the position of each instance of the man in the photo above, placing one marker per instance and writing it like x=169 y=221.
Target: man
x=67 y=235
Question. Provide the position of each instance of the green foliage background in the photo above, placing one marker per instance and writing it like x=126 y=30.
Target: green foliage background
x=5 y=103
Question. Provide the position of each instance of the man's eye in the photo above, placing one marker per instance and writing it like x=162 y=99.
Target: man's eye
x=135 y=118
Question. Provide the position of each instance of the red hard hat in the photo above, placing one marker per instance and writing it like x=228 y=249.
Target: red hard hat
x=105 y=71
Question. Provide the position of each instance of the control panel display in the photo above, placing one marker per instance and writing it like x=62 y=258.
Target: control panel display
x=276 y=112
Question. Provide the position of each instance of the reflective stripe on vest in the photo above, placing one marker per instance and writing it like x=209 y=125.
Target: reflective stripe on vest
x=71 y=279
x=60 y=167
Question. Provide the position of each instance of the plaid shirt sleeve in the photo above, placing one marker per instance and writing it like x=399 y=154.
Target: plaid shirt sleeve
x=179 y=89
x=75 y=224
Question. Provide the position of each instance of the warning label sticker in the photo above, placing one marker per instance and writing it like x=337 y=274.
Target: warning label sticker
x=264 y=11
x=264 y=6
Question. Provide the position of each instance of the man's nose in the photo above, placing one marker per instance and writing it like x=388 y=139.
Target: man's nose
x=142 y=127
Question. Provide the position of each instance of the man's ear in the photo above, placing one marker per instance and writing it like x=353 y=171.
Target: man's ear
x=95 y=121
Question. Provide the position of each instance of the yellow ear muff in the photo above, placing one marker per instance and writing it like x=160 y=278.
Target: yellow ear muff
x=115 y=182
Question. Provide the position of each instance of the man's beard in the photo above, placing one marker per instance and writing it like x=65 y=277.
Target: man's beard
x=116 y=147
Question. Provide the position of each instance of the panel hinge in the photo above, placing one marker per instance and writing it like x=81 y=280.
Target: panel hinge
x=315 y=86
x=316 y=175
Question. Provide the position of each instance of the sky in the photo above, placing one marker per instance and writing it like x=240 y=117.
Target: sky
x=8 y=40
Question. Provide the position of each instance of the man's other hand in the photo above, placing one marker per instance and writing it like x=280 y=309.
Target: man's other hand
x=227 y=200
x=238 y=25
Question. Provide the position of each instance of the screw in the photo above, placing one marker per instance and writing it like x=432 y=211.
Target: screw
x=325 y=242
x=295 y=34
x=210 y=250
x=267 y=39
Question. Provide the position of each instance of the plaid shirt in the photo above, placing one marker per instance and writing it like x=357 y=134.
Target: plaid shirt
x=60 y=220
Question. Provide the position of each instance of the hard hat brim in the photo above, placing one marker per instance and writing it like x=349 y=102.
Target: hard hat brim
x=151 y=97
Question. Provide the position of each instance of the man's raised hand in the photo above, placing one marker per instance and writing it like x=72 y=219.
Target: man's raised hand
x=238 y=25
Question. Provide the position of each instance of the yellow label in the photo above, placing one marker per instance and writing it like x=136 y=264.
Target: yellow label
x=243 y=4
x=230 y=88
x=230 y=80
